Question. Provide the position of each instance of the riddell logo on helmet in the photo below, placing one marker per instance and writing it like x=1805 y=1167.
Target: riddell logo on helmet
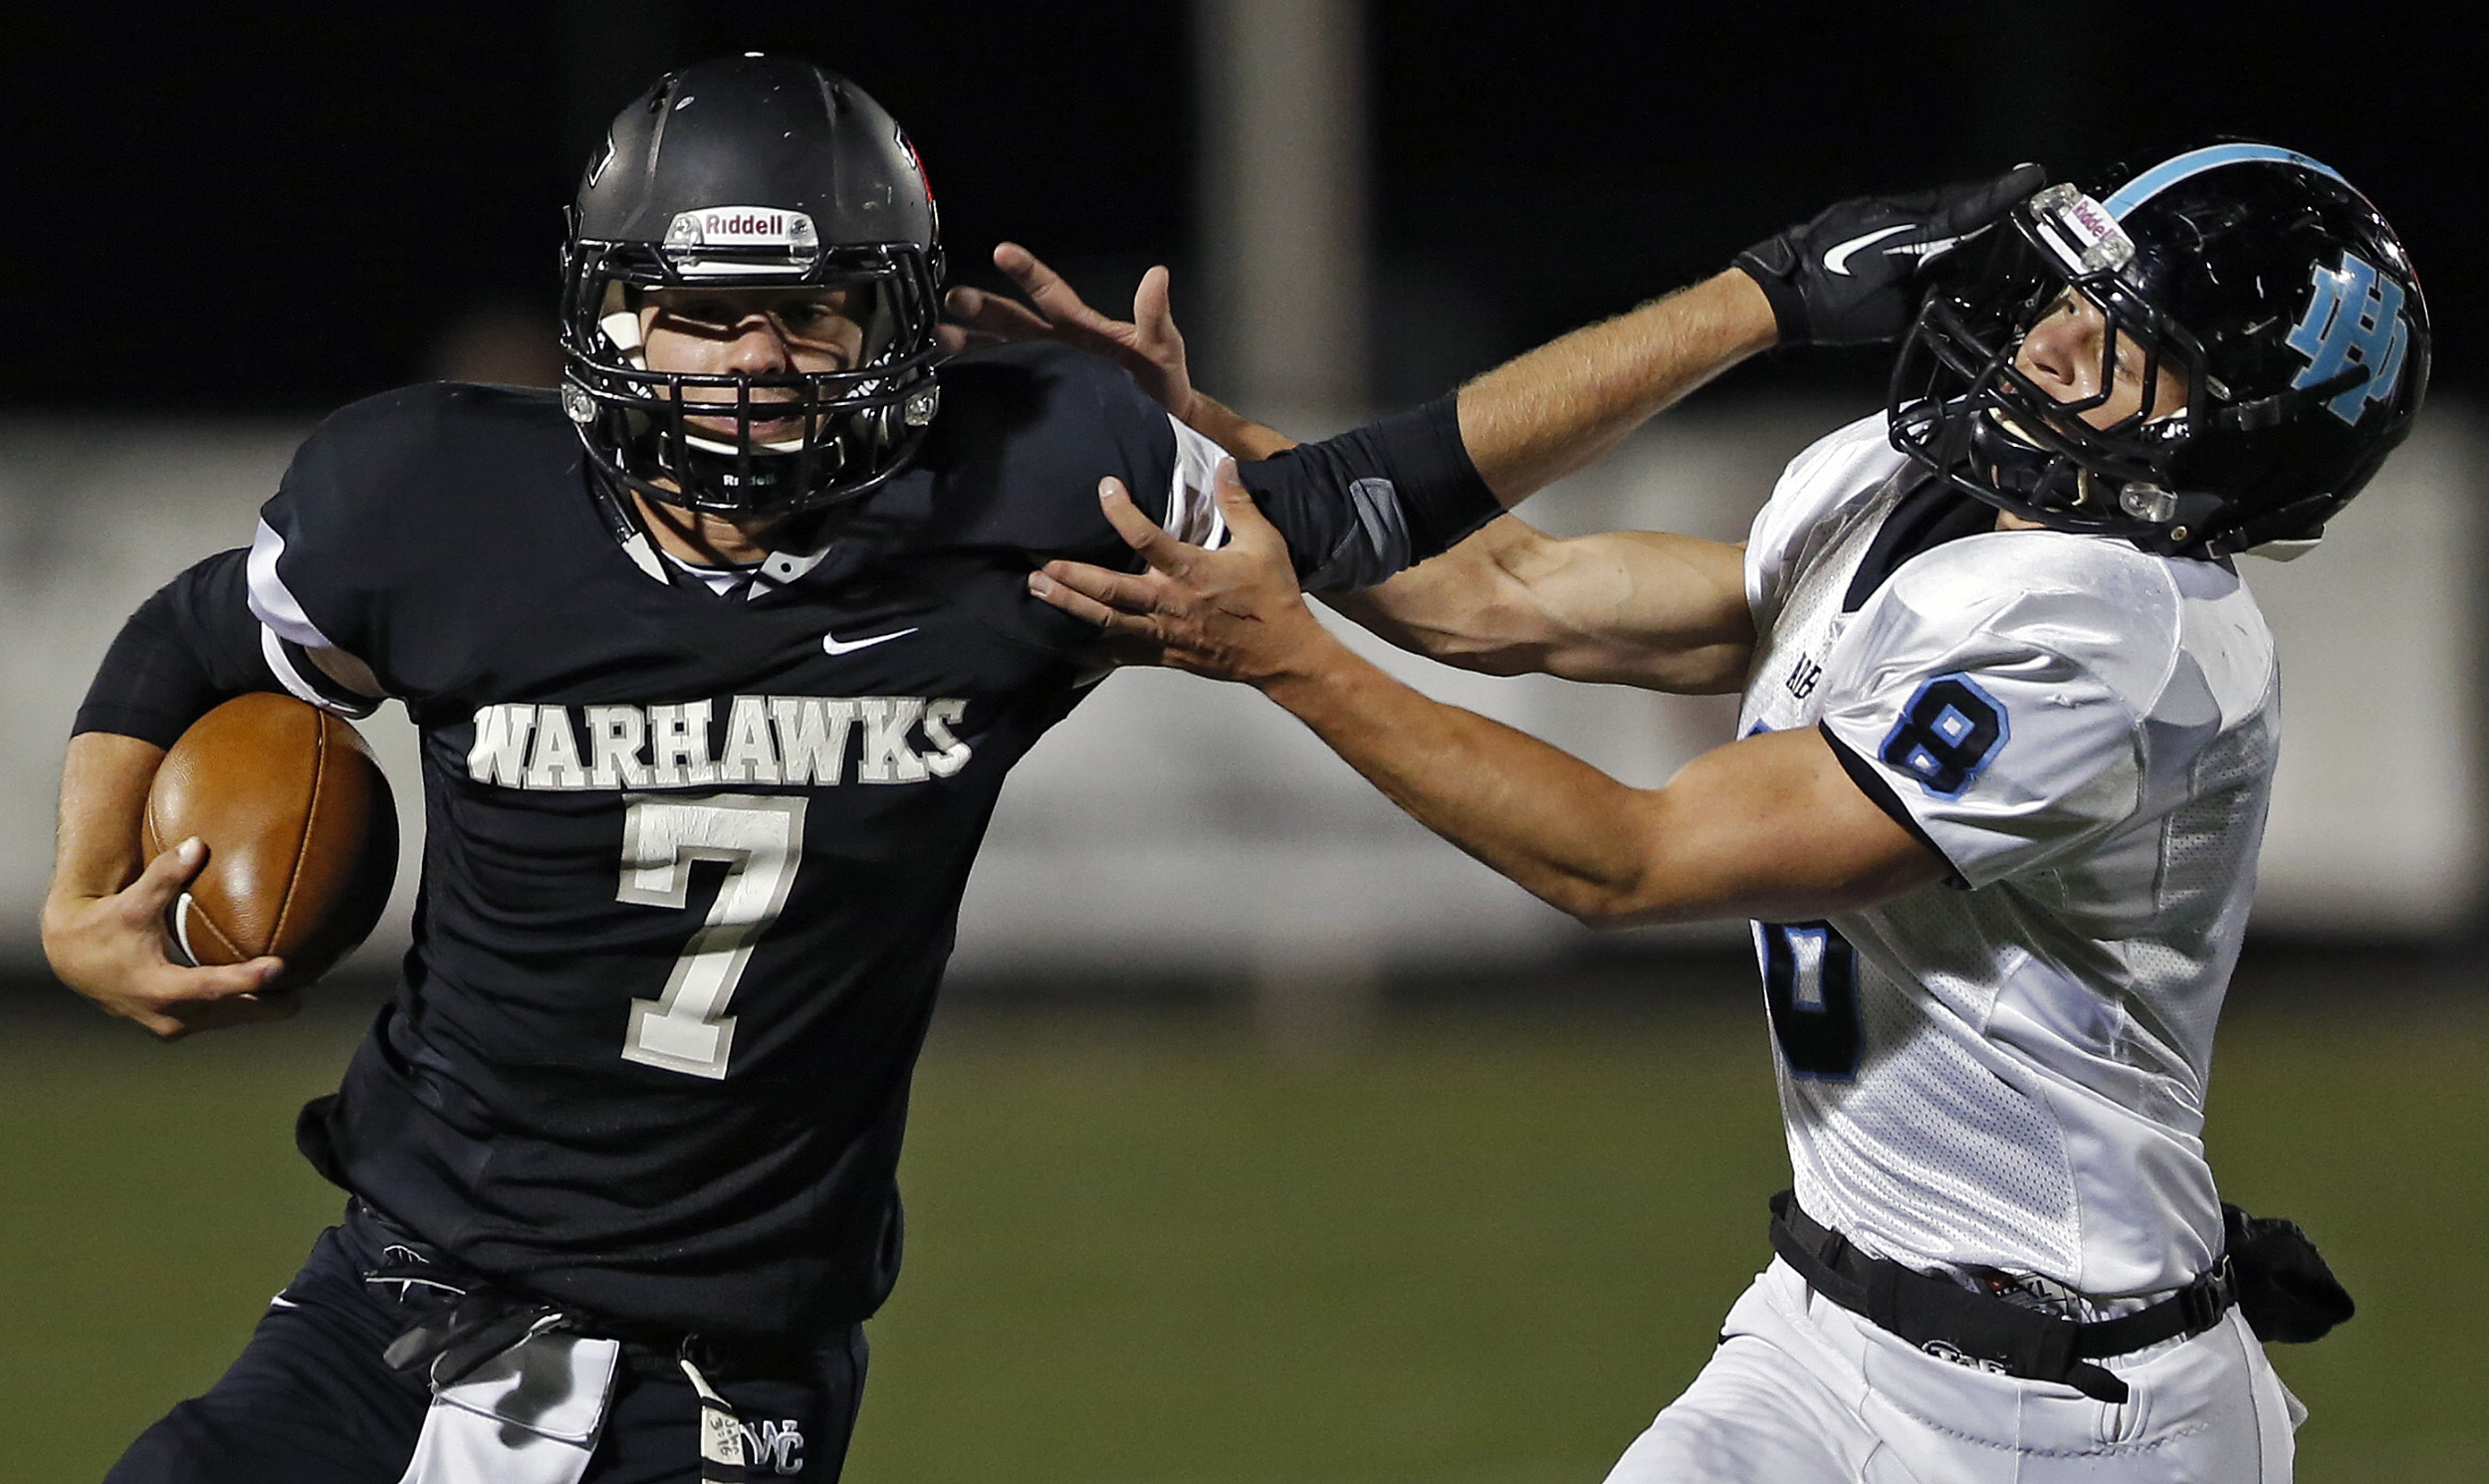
x=2091 y=217
x=744 y=226
x=741 y=226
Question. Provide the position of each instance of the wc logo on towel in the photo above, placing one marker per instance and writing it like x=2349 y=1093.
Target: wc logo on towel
x=775 y=1446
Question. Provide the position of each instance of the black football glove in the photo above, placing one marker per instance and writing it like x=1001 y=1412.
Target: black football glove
x=1855 y=274
x=2284 y=1286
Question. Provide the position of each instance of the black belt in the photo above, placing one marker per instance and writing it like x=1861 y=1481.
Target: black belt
x=459 y=1320
x=1946 y=1319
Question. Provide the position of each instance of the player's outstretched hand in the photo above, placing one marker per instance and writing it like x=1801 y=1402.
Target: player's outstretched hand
x=1855 y=274
x=1231 y=614
x=111 y=948
x=1147 y=345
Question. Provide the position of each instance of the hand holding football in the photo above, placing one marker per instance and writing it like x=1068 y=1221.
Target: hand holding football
x=301 y=831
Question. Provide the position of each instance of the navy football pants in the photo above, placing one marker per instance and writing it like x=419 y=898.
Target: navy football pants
x=309 y=1401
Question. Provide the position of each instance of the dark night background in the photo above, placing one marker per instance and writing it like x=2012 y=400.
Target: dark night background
x=279 y=208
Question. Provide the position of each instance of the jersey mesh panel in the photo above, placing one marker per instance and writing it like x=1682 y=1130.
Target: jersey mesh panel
x=1953 y=1162
x=2206 y=843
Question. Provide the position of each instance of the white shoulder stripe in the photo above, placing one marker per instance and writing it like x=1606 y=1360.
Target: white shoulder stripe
x=272 y=649
x=271 y=603
x=281 y=618
x=1192 y=507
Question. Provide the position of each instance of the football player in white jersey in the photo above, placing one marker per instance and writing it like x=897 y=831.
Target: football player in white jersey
x=2008 y=735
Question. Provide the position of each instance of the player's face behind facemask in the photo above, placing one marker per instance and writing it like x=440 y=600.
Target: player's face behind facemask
x=2095 y=371
x=733 y=346
x=814 y=385
x=2042 y=383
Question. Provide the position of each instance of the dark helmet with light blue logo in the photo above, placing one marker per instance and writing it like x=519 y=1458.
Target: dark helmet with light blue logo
x=752 y=173
x=2257 y=276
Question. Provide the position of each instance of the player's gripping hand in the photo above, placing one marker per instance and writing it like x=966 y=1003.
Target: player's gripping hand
x=1855 y=275
x=1234 y=613
x=110 y=948
x=1147 y=345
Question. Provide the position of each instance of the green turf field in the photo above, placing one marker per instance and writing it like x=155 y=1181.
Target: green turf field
x=1144 y=1250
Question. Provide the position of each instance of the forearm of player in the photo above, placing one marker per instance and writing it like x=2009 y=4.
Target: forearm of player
x=1771 y=825
x=1769 y=828
x=1362 y=506
x=102 y=920
x=1638 y=607
x=1556 y=409
x=104 y=790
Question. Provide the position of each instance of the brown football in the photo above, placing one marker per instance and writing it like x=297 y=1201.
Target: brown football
x=301 y=832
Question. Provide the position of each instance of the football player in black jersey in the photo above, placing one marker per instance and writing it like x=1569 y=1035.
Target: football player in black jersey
x=719 y=658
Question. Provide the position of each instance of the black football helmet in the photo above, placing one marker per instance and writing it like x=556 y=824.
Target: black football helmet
x=739 y=173
x=2257 y=276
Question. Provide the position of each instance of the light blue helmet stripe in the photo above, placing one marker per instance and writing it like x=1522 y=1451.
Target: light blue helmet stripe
x=2194 y=162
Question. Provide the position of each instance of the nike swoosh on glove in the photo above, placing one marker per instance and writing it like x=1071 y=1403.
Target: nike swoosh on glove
x=1855 y=274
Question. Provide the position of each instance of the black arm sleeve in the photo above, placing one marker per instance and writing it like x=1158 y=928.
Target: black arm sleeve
x=192 y=646
x=1375 y=500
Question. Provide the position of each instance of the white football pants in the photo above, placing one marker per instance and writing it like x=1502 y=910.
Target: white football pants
x=1803 y=1391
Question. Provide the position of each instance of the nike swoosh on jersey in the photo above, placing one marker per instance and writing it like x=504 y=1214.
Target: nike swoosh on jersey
x=1838 y=260
x=832 y=644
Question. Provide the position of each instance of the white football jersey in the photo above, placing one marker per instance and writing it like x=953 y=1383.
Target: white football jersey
x=2008 y=1070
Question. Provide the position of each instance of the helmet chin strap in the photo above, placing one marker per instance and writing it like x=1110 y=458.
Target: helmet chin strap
x=2056 y=488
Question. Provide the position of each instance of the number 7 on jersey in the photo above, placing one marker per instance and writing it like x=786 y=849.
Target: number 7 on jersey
x=761 y=842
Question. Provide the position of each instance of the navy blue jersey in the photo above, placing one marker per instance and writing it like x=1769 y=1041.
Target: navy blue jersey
x=691 y=864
